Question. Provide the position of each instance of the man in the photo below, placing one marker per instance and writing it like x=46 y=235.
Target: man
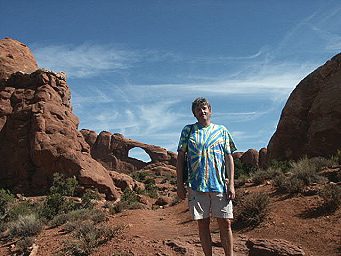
x=208 y=149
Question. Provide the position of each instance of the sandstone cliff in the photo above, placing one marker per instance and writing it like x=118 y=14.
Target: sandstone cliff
x=15 y=56
x=310 y=122
x=39 y=136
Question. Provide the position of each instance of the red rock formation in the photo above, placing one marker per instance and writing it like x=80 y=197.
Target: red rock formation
x=15 y=56
x=311 y=119
x=250 y=158
x=39 y=136
x=112 y=151
x=275 y=247
x=237 y=155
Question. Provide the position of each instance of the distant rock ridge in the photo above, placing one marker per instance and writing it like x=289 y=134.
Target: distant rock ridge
x=112 y=150
x=310 y=123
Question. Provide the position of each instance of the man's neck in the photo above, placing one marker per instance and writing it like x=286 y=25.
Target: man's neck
x=205 y=124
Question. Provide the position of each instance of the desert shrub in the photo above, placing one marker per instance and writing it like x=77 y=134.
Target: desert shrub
x=22 y=208
x=151 y=188
x=320 y=162
x=282 y=165
x=331 y=195
x=280 y=182
x=337 y=157
x=24 y=226
x=95 y=215
x=58 y=220
x=302 y=173
x=129 y=200
x=306 y=170
x=294 y=185
x=289 y=184
x=252 y=209
x=56 y=202
x=139 y=176
x=260 y=176
x=54 y=205
x=5 y=198
x=70 y=226
x=24 y=244
x=115 y=208
x=63 y=186
x=89 y=236
x=242 y=169
x=89 y=197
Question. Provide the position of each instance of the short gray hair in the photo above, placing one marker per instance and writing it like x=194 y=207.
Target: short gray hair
x=200 y=101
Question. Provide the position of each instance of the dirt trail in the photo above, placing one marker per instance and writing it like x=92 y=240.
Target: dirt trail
x=168 y=231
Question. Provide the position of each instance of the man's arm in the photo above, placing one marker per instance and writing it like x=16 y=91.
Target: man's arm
x=181 y=191
x=230 y=175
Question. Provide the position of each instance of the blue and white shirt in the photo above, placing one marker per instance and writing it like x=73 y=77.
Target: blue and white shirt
x=206 y=148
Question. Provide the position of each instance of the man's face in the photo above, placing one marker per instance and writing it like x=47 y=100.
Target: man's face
x=202 y=113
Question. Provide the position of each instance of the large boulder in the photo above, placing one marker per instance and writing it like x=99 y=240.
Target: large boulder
x=15 y=56
x=311 y=119
x=250 y=158
x=274 y=247
x=112 y=150
x=39 y=136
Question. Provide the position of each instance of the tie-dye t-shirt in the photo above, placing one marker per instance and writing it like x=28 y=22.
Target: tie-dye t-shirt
x=206 y=148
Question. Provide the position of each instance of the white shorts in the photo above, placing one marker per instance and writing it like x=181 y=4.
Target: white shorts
x=204 y=204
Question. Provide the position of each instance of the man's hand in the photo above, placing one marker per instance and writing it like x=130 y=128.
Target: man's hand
x=231 y=194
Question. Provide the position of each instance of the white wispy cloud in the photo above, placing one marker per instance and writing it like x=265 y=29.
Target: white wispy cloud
x=84 y=60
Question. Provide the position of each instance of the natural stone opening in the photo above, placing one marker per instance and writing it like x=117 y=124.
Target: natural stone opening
x=139 y=154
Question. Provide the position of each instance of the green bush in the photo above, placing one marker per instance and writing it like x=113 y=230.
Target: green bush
x=252 y=209
x=295 y=185
x=24 y=244
x=302 y=174
x=5 y=198
x=63 y=186
x=22 y=208
x=115 y=208
x=59 y=220
x=89 y=236
x=320 y=162
x=139 y=176
x=331 y=195
x=89 y=197
x=24 y=226
x=241 y=169
x=95 y=215
x=56 y=204
x=282 y=165
x=280 y=182
x=260 y=176
x=129 y=200
x=337 y=157
x=306 y=170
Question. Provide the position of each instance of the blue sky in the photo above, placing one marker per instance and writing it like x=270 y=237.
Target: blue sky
x=134 y=66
